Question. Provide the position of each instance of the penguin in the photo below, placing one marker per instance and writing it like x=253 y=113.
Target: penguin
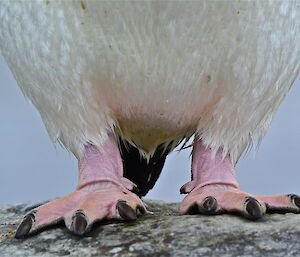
x=121 y=84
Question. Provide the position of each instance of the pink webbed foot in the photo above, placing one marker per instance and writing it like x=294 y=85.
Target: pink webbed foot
x=214 y=190
x=103 y=193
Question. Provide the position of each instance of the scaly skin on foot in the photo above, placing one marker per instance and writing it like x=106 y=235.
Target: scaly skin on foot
x=102 y=193
x=215 y=190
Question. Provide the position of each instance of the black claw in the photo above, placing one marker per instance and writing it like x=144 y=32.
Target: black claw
x=25 y=226
x=141 y=210
x=193 y=209
x=79 y=223
x=182 y=190
x=135 y=190
x=295 y=199
x=210 y=205
x=253 y=208
x=126 y=211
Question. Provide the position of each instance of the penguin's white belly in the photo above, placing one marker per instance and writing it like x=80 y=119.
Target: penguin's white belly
x=150 y=121
x=155 y=115
x=157 y=71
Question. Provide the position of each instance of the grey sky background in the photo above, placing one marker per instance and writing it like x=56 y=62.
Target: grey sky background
x=32 y=169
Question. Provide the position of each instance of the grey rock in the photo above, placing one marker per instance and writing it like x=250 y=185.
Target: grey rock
x=160 y=233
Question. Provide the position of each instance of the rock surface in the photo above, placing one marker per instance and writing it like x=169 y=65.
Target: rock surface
x=163 y=233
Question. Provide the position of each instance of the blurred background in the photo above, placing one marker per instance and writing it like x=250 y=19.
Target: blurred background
x=33 y=169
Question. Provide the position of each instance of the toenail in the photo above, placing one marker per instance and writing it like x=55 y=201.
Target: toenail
x=141 y=210
x=126 y=211
x=253 y=208
x=295 y=199
x=135 y=190
x=182 y=190
x=210 y=204
x=193 y=209
x=25 y=226
x=79 y=223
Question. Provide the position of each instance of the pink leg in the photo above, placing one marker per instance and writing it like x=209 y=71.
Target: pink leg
x=214 y=189
x=102 y=193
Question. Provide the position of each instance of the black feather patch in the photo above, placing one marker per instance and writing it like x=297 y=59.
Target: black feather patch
x=136 y=168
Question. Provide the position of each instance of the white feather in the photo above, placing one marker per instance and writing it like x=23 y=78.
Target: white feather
x=155 y=70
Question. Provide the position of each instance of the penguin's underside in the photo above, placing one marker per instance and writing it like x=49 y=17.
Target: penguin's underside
x=120 y=84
